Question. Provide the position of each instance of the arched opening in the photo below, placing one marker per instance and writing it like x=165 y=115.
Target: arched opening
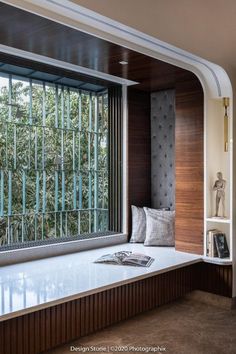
x=214 y=81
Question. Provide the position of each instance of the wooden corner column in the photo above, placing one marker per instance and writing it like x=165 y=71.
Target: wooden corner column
x=189 y=140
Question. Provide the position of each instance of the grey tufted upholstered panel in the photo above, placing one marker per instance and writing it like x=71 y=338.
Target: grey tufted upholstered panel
x=163 y=149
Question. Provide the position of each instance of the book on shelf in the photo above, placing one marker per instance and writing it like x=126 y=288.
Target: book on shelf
x=221 y=245
x=211 y=247
x=217 y=244
x=126 y=258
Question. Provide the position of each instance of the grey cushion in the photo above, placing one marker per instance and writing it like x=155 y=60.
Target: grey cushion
x=160 y=227
x=138 y=224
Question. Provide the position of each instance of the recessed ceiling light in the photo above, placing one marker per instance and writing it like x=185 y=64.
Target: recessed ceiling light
x=123 y=62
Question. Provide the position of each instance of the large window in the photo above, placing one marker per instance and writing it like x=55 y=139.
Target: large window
x=53 y=160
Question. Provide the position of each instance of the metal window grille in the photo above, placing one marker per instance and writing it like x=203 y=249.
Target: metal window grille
x=53 y=161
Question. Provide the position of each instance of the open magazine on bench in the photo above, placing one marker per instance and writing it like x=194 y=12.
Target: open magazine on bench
x=126 y=258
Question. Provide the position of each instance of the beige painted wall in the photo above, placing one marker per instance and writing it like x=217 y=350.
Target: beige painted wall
x=204 y=27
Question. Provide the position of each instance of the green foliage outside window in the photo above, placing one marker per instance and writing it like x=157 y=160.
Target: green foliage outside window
x=53 y=161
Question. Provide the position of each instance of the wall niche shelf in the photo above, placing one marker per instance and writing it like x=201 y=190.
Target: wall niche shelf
x=218 y=160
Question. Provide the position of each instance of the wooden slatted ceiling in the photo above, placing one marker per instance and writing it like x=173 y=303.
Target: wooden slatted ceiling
x=29 y=32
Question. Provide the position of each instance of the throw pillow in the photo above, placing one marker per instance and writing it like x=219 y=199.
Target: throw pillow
x=160 y=227
x=138 y=224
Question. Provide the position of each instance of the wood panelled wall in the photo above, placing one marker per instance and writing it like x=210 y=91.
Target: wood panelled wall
x=45 y=329
x=189 y=159
x=189 y=164
x=139 y=149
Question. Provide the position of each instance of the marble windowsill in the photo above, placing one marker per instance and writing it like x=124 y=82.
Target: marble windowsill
x=30 y=286
x=20 y=255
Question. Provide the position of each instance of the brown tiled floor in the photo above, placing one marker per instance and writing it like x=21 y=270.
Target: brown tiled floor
x=183 y=327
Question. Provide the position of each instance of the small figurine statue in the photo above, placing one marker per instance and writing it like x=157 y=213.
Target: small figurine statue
x=219 y=187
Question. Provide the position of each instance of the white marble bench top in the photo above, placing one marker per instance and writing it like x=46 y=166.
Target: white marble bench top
x=26 y=287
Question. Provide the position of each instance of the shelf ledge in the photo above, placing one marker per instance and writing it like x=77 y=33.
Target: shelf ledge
x=220 y=220
x=216 y=260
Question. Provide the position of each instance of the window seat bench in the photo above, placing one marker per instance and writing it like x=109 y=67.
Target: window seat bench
x=29 y=286
x=51 y=301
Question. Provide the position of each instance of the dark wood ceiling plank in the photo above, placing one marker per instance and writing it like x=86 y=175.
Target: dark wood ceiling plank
x=32 y=33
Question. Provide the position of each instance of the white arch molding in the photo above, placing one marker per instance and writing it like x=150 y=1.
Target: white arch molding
x=215 y=81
